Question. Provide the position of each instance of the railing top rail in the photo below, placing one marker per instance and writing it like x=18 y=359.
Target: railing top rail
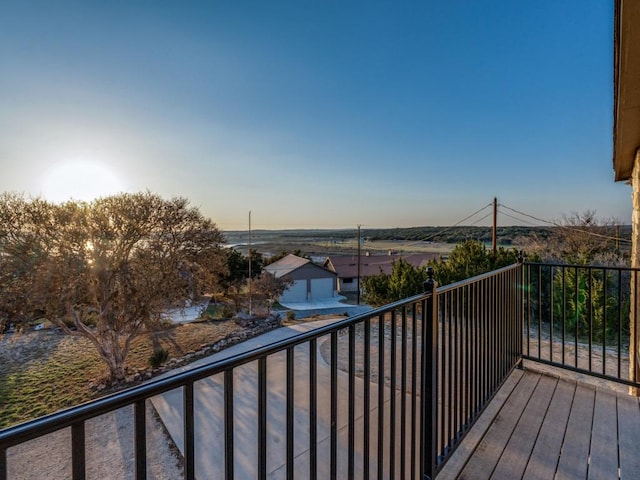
x=477 y=278
x=588 y=267
x=65 y=418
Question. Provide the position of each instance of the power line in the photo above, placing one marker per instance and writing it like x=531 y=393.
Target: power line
x=454 y=225
x=480 y=219
x=518 y=219
x=573 y=229
x=457 y=223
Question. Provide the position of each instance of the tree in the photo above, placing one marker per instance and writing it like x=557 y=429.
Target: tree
x=108 y=268
x=235 y=281
x=584 y=298
x=404 y=281
x=471 y=258
x=467 y=260
x=267 y=289
x=580 y=239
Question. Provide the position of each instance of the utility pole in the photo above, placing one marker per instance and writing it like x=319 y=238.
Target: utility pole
x=250 y=289
x=358 y=283
x=494 y=241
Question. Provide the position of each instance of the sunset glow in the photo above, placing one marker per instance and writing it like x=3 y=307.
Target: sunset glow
x=80 y=181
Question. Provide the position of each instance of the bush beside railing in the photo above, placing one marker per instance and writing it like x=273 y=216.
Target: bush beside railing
x=577 y=317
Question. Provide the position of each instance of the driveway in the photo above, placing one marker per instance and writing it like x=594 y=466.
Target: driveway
x=209 y=413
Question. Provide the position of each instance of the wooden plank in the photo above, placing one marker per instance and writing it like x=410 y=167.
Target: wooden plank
x=629 y=436
x=484 y=459
x=456 y=463
x=546 y=452
x=574 y=457
x=513 y=461
x=604 y=438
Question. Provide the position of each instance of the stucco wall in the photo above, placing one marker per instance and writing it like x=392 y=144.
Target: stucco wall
x=310 y=272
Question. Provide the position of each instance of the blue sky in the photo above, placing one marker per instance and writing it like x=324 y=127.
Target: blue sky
x=314 y=114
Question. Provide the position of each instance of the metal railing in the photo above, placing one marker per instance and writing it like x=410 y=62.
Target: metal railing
x=353 y=393
x=386 y=394
x=473 y=345
x=578 y=317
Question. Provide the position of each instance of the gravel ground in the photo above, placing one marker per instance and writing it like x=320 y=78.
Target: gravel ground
x=343 y=353
x=545 y=346
x=109 y=454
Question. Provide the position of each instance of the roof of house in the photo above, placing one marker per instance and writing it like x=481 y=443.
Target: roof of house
x=286 y=265
x=626 y=87
x=346 y=266
x=289 y=264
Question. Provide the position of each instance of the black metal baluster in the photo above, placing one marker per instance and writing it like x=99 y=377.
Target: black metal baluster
x=540 y=310
x=477 y=340
x=380 y=395
x=228 y=425
x=456 y=369
x=429 y=382
x=577 y=280
x=483 y=342
x=367 y=394
x=443 y=366
x=403 y=401
x=189 y=432
x=414 y=393
x=313 y=410
x=392 y=402
x=140 y=435
x=262 y=418
x=3 y=464
x=468 y=356
x=450 y=381
x=604 y=321
x=334 y=405
x=78 y=465
x=352 y=389
x=564 y=312
x=590 y=310
x=551 y=303
x=289 y=409
x=635 y=328
x=528 y=311
x=619 y=323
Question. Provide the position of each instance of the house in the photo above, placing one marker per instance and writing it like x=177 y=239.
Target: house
x=626 y=127
x=346 y=266
x=310 y=281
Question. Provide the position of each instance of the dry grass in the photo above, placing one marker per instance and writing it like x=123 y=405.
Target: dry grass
x=43 y=372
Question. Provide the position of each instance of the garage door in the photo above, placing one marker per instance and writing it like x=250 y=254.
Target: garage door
x=297 y=292
x=321 y=288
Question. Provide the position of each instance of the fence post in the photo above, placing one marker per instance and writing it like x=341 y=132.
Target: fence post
x=429 y=378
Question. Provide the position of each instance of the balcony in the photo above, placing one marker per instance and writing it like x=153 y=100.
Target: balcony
x=485 y=378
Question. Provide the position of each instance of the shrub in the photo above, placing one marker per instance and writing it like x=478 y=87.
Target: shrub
x=291 y=315
x=158 y=357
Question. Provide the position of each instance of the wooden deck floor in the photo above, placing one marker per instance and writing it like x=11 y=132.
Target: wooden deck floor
x=550 y=428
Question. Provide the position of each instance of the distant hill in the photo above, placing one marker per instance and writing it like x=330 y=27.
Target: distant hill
x=506 y=235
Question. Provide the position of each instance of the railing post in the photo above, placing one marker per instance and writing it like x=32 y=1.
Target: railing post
x=3 y=463
x=429 y=378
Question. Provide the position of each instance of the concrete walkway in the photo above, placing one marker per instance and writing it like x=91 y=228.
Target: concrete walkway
x=209 y=414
